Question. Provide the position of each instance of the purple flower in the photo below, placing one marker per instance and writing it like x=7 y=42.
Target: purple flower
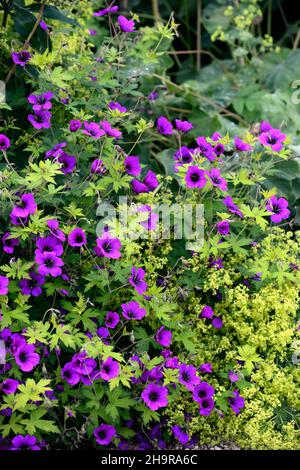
x=108 y=246
x=4 y=142
x=155 y=396
x=206 y=368
x=236 y=402
x=148 y=184
x=273 y=138
x=241 y=146
x=56 y=151
x=53 y=225
x=183 y=156
x=106 y=11
x=164 y=126
x=205 y=148
x=233 y=377
x=180 y=435
x=206 y=406
x=207 y=312
x=215 y=177
x=231 y=207
x=219 y=149
x=32 y=286
x=92 y=32
x=110 y=369
x=112 y=319
x=24 y=443
x=195 y=177
x=188 y=376
x=153 y=95
x=217 y=323
x=26 y=357
x=113 y=105
x=103 y=332
x=223 y=227
x=151 y=223
x=70 y=375
x=74 y=125
x=163 y=337
x=98 y=167
x=203 y=390
x=9 y=386
x=21 y=58
x=109 y=130
x=68 y=163
x=183 y=126
x=104 y=434
x=82 y=364
x=41 y=102
x=133 y=311
x=137 y=280
x=25 y=206
x=93 y=129
x=48 y=244
x=127 y=26
x=40 y=120
x=4 y=282
x=43 y=25
x=132 y=165
x=49 y=264
x=265 y=126
x=9 y=244
x=278 y=208
x=77 y=237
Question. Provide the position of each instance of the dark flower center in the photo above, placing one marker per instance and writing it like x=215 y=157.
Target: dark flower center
x=23 y=356
x=201 y=394
x=107 y=246
x=102 y=435
x=153 y=396
x=195 y=177
x=186 y=376
x=205 y=404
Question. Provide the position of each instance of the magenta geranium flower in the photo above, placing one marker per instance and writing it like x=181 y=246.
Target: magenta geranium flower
x=77 y=237
x=49 y=264
x=26 y=357
x=137 y=280
x=231 y=207
x=216 y=179
x=180 y=435
x=112 y=319
x=273 y=138
x=236 y=402
x=4 y=142
x=133 y=311
x=41 y=102
x=151 y=222
x=241 y=146
x=207 y=312
x=223 y=227
x=203 y=390
x=56 y=151
x=183 y=156
x=110 y=131
x=33 y=285
x=107 y=246
x=206 y=368
x=188 y=376
x=9 y=244
x=115 y=105
x=217 y=323
x=49 y=244
x=106 y=11
x=164 y=126
x=9 y=386
x=104 y=434
x=82 y=364
x=183 y=126
x=93 y=129
x=21 y=58
x=155 y=396
x=68 y=163
x=110 y=369
x=278 y=208
x=127 y=26
x=25 y=443
x=206 y=406
x=205 y=148
x=25 y=206
x=75 y=125
x=265 y=126
x=4 y=282
x=97 y=167
x=233 y=377
x=70 y=375
x=195 y=177
x=40 y=120
x=132 y=165
x=163 y=337
x=53 y=225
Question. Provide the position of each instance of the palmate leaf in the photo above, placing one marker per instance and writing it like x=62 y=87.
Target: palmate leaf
x=35 y=422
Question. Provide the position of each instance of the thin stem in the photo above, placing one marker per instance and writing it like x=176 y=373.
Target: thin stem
x=155 y=9
x=297 y=40
x=269 y=24
x=198 y=34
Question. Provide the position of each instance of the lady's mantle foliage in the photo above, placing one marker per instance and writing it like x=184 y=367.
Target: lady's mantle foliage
x=103 y=332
